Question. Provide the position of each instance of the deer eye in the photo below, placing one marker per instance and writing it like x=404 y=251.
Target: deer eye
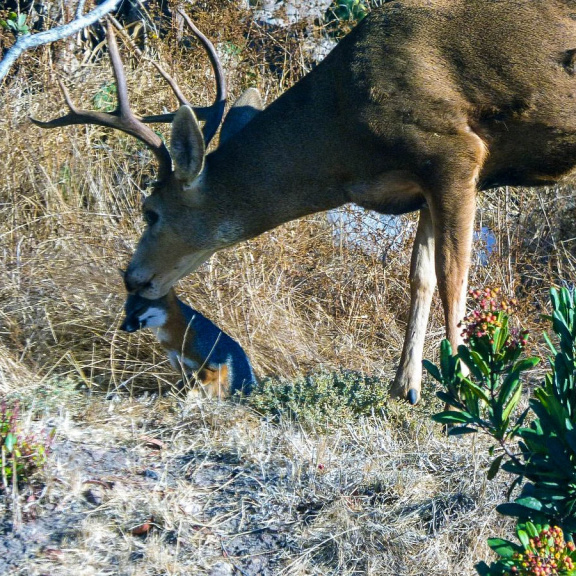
x=150 y=217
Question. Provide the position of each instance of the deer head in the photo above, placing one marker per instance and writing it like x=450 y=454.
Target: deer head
x=184 y=225
x=176 y=239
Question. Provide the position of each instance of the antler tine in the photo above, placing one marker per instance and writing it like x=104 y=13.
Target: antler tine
x=170 y=81
x=122 y=118
x=67 y=98
x=123 y=108
x=212 y=122
x=212 y=115
x=203 y=113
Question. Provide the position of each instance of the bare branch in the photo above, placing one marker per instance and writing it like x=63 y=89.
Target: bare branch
x=34 y=40
x=80 y=8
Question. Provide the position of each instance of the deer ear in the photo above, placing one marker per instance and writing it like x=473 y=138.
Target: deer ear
x=187 y=145
x=242 y=111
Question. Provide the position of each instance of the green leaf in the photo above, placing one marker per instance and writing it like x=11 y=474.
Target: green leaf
x=500 y=337
x=433 y=370
x=512 y=403
x=446 y=359
x=504 y=548
x=452 y=417
x=555 y=298
x=548 y=410
x=494 y=467
x=511 y=382
x=518 y=511
x=532 y=530
x=471 y=402
x=10 y=442
x=469 y=358
x=523 y=537
x=561 y=328
x=526 y=364
x=478 y=391
x=480 y=362
x=530 y=502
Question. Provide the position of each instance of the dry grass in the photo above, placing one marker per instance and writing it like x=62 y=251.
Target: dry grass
x=229 y=491
x=388 y=495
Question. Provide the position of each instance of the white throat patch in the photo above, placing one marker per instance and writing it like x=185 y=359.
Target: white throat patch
x=153 y=317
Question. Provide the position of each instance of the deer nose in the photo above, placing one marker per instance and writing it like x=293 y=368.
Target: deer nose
x=134 y=283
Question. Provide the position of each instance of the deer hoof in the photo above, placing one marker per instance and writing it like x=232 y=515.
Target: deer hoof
x=413 y=396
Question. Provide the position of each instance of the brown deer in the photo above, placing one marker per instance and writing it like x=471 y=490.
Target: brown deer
x=421 y=105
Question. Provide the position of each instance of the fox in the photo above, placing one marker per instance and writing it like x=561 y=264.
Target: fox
x=196 y=347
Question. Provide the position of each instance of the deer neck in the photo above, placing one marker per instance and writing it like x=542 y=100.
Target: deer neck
x=283 y=165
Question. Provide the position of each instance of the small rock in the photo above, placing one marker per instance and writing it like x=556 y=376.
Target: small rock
x=94 y=495
x=150 y=474
x=222 y=569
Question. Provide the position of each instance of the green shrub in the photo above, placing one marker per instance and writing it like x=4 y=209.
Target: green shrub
x=325 y=398
x=548 y=445
x=542 y=551
x=342 y=15
x=542 y=454
x=105 y=99
x=351 y=10
x=484 y=400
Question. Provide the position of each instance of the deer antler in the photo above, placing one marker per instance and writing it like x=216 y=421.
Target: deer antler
x=212 y=115
x=121 y=119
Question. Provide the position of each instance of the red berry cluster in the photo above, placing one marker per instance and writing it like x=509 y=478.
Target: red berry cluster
x=483 y=321
x=547 y=555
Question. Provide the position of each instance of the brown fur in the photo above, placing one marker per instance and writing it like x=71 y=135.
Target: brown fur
x=214 y=383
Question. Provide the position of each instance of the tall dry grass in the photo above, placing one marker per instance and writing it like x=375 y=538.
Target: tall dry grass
x=316 y=293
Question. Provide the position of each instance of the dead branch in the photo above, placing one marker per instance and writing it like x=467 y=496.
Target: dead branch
x=34 y=40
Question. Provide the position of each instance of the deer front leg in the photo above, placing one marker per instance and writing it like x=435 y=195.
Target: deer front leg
x=453 y=217
x=422 y=284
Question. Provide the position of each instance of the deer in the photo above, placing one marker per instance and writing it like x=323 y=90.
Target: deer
x=421 y=106
x=196 y=347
